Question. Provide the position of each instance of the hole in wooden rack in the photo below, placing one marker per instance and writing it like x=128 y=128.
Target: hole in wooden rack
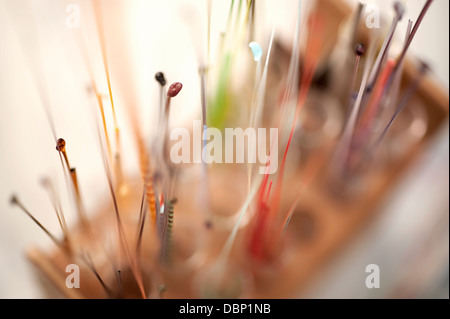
x=303 y=226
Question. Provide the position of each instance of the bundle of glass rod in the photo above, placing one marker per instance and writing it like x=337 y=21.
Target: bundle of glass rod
x=349 y=113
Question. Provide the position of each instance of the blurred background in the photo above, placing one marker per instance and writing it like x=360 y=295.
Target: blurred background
x=408 y=240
